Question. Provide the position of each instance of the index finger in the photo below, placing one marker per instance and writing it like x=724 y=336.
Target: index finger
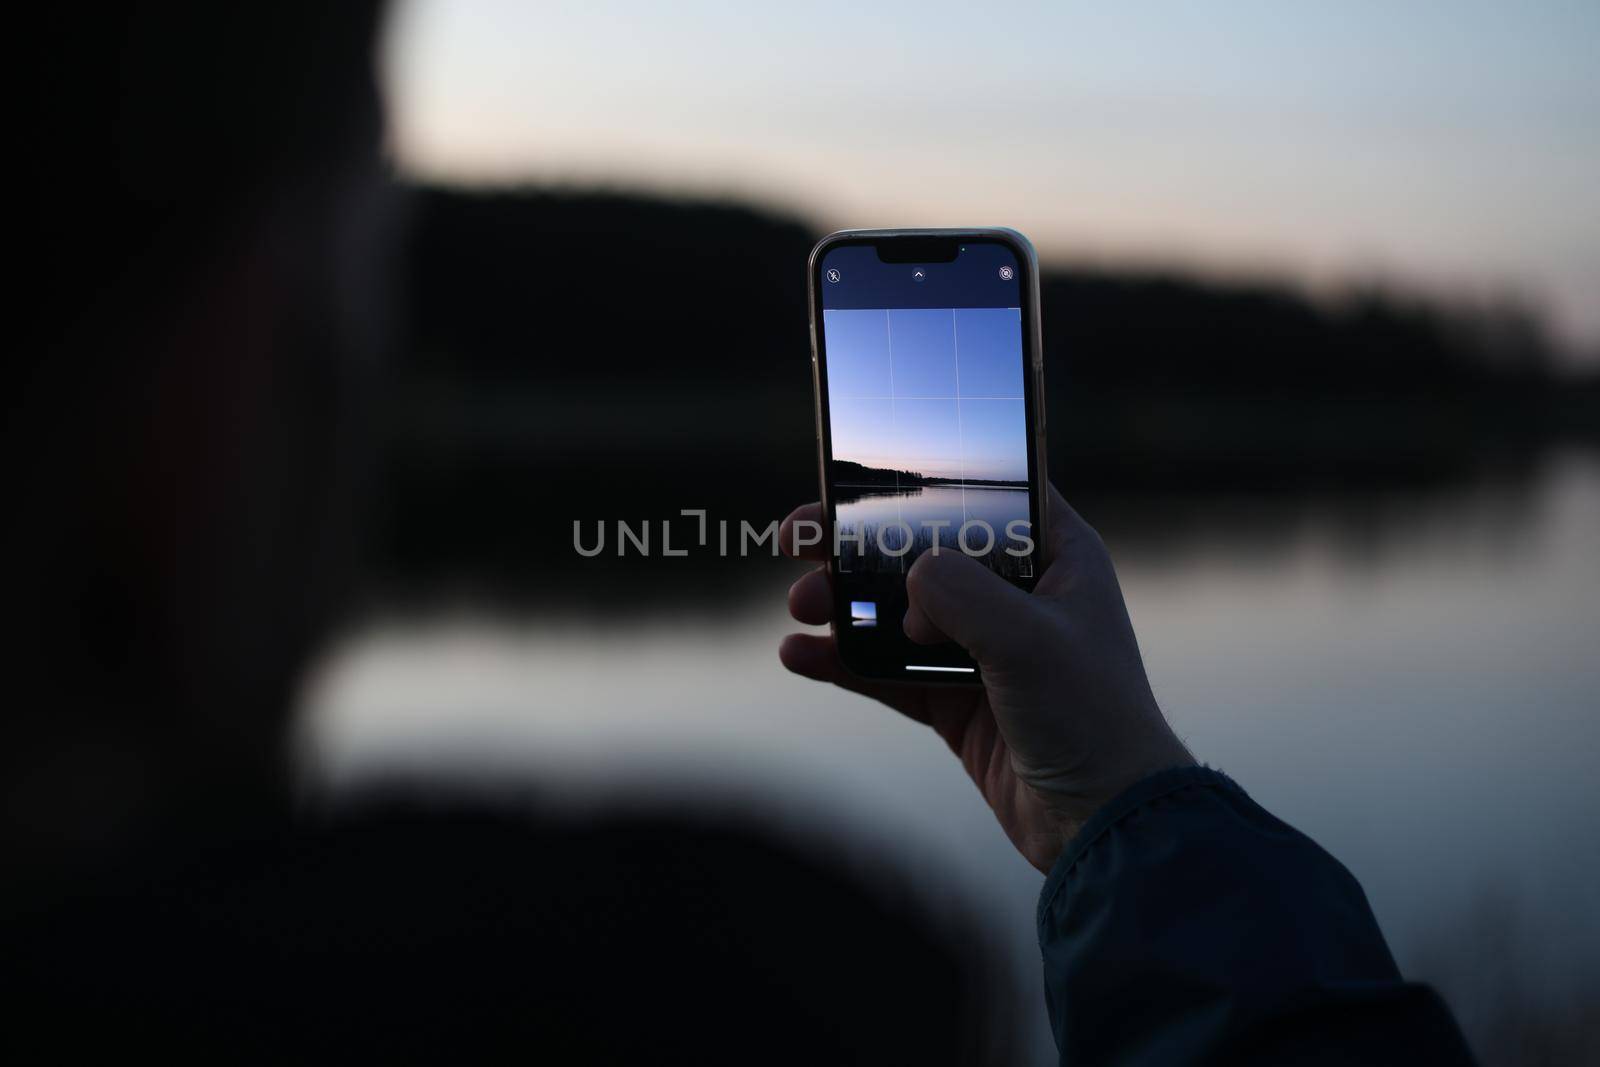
x=1068 y=532
x=805 y=513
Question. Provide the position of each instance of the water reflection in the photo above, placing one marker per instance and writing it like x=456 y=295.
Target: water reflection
x=884 y=528
x=1415 y=690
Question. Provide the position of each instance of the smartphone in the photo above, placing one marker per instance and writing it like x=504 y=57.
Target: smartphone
x=927 y=358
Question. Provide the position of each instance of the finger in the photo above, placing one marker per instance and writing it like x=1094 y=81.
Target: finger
x=1078 y=557
x=816 y=656
x=956 y=597
x=921 y=629
x=1070 y=537
x=811 y=598
x=813 y=656
x=802 y=534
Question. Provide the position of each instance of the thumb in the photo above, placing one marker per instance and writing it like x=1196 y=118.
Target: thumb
x=955 y=598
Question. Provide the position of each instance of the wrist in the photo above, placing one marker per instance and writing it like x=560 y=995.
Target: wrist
x=1067 y=808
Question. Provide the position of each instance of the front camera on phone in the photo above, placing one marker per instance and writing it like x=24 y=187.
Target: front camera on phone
x=1006 y=274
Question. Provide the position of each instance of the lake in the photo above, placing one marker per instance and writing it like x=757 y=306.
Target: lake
x=1411 y=678
x=882 y=517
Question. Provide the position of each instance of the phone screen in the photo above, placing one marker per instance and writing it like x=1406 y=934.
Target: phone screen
x=926 y=383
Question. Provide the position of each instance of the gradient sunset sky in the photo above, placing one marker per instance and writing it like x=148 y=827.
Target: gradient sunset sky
x=1446 y=146
x=934 y=391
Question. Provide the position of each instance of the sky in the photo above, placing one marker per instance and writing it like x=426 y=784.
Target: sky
x=937 y=391
x=1444 y=147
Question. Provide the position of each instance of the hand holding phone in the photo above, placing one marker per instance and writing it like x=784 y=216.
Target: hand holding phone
x=927 y=362
x=1065 y=719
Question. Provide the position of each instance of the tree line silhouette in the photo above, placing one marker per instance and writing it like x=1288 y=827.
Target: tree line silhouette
x=849 y=472
x=602 y=355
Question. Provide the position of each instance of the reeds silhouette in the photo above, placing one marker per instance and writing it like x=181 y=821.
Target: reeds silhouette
x=900 y=545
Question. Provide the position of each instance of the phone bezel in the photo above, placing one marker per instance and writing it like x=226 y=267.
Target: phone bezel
x=1033 y=340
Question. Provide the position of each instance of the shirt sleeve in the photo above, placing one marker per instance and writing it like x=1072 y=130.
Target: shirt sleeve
x=1186 y=924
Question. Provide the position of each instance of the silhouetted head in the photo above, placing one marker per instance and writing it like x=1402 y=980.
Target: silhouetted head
x=202 y=221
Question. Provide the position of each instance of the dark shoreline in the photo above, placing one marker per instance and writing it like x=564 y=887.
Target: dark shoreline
x=932 y=485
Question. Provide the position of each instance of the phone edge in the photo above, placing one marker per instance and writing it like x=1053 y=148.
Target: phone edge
x=1025 y=250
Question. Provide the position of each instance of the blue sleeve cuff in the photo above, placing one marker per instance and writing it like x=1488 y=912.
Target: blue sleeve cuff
x=1136 y=796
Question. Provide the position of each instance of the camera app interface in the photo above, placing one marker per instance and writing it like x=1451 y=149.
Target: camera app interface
x=925 y=368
